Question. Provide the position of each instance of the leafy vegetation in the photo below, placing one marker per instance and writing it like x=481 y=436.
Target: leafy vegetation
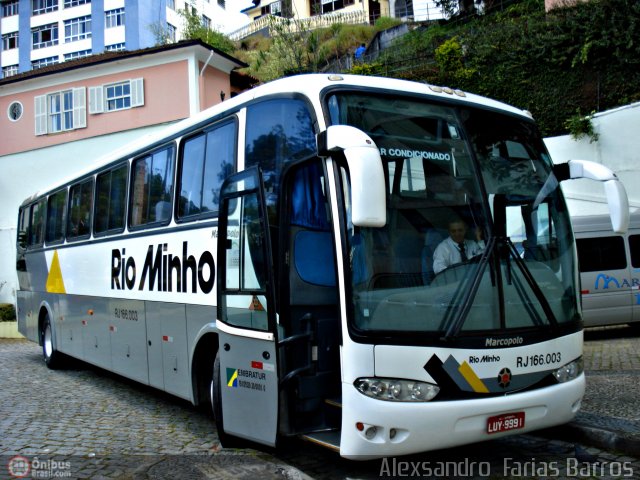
x=585 y=57
x=7 y=312
x=580 y=58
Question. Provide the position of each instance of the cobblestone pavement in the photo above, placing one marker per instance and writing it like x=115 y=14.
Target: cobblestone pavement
x=83 y=422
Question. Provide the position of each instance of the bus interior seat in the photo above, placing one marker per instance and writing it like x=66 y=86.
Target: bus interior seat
x=432 y=238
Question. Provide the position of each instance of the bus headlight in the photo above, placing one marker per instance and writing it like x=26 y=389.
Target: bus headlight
x=570 y=371
x=396 y=390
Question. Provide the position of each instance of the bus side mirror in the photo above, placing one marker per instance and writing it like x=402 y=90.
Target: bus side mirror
x=368 y=190
x=613 y=187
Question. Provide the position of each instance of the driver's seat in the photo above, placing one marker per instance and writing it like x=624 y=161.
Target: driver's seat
x=432 y=238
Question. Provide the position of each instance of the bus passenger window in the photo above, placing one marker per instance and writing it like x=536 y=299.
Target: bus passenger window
x=111 y=188
x=207 y=159
x=80 y=204
x=152 y=188
x=56 y=210
x=36 y=232
x=278 y=131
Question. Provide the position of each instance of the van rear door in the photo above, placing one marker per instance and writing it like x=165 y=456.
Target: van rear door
x=634 y=254
x=606 y=278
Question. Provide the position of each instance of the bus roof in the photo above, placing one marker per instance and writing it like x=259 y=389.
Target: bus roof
x=311 y=86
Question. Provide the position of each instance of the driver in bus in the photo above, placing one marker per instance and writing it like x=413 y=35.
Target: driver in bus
x=456 y=248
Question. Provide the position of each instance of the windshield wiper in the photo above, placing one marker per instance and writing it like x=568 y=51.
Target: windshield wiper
x=544 y=303
x=468 y=291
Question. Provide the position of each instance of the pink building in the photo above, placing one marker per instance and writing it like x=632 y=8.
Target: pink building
x=111 y=92
x=54 y=121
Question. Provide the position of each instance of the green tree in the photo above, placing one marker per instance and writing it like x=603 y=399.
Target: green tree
x=195 y=29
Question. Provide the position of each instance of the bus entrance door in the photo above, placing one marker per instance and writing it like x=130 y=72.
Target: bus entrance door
x=247 y=380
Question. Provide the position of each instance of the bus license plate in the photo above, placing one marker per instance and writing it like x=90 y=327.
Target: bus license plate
x=505 y=422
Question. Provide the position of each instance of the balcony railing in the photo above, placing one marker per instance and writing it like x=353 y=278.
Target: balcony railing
x=267 y=22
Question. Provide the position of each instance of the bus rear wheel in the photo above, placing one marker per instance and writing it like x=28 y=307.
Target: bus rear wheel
x=52 y=358
x=226 y=440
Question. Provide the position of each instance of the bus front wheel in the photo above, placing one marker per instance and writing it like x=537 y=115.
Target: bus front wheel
x=52 y=358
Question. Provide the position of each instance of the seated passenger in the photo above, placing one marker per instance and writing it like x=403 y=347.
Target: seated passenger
x=456 y=248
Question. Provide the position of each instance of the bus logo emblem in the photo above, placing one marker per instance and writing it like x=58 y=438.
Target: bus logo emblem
x=504 y=377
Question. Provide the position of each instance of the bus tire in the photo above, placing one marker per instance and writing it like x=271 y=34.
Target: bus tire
x=226 y=440
x=52 y=357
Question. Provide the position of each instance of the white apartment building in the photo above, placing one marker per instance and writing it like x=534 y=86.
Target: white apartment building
x=38 y=33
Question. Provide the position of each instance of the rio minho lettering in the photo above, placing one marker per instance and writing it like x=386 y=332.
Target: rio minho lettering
x=163 y=271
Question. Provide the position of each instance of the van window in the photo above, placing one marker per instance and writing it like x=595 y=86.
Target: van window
x=634 y=248
x=601 y=253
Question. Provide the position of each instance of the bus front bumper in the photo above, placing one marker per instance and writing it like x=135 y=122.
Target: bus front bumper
x=376 y=428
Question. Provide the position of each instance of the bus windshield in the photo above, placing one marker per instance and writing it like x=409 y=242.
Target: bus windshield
x=477 y=237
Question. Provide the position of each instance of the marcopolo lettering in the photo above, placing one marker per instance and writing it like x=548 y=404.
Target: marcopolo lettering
x=503 y=342
x=163 y=271
x=406 y=153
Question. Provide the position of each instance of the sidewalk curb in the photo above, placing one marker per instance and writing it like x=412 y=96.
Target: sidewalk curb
x=595 y=436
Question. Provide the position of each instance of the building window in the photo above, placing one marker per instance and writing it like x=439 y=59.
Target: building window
x=14 y=112
x=45 y=36
x=206 y=22
x=77 y=29
x=75 y=55
x=116 y=47
x=325 y=6
x=75 y=3
x=44 y=62
x=222 y=3
x=9 y=71
x=60 y=111
x=10 y=8
x=171 y=32
x=9 y=41
x=114 y=18
x=43 y=6
x=116 y=96
x=171 y=4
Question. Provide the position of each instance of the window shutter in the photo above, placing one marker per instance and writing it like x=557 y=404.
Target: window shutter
x=137 y=92
x=79 y=108
x=41 y=114
x=96 y=99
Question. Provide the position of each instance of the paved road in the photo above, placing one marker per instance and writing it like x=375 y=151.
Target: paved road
x=82 y=422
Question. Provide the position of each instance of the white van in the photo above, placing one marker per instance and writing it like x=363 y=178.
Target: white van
x=609 y=270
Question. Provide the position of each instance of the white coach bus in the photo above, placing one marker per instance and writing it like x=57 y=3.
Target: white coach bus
x=273 y=257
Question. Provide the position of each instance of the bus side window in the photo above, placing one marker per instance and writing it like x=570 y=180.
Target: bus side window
x=278 y=131
x=111 y=197
x=207 y=159
x=23 y=229
x=56 y=211
x=36 y=230
x=152 y=188
x=80 y=205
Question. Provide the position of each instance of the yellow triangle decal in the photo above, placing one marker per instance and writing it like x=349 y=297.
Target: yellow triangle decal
x=55 y=284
